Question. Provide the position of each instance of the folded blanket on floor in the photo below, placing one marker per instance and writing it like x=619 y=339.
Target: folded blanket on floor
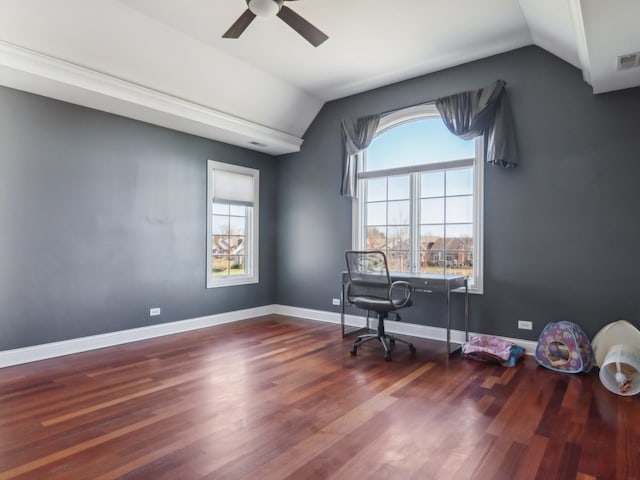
x=492 y=350
x=495 y=346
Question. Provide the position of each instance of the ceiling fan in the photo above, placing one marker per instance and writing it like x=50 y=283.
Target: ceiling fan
x=270 y=8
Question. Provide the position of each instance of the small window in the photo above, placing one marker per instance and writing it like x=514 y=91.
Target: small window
x=420 y=199
x=232 y=225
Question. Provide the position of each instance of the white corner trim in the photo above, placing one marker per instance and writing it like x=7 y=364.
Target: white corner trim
x=68 y=347
x=307 y=313
x=581 y=39
x=77 y=345
x=35 y=72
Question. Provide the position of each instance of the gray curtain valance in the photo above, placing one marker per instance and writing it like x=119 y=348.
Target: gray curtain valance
x=485 y=111
x=357 y=135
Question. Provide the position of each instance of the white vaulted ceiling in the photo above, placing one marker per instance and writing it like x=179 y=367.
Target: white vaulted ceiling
x=164 y=61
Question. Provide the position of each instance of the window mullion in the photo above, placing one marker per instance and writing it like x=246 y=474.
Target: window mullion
x=386 y=222
x=445 y=240
x=415 y=222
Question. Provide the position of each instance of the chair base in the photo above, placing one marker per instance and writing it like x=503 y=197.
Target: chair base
x=387 y=341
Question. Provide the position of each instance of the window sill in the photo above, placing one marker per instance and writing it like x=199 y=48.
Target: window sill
x=472 y=291
x=232 y=282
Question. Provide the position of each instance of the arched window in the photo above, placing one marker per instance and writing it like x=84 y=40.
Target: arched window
x=421 y=191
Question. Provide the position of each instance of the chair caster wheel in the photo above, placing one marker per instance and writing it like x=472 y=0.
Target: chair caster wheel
x=387 y=357
x=353 y=351
x=412 y=349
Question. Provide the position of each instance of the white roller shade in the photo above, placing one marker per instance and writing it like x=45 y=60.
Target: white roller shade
x=233 y=187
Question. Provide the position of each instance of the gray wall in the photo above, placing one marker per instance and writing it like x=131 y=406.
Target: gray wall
x=561 y=230
x=102 y=217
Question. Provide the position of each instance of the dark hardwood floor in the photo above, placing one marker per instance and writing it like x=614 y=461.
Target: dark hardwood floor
x=278 y=397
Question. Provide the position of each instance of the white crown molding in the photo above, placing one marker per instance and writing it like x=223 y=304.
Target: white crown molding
x=27 y=70
x=68 y=347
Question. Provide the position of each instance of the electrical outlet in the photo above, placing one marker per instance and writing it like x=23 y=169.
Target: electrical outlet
x=153 y=312
x=525 y=325
x=336 y=301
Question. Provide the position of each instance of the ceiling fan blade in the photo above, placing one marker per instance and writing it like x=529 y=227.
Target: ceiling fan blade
x=310 y=33
x=240 y=25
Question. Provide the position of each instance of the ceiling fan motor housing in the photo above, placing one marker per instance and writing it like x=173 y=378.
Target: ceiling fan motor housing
x=273 y=8
x=265 y=8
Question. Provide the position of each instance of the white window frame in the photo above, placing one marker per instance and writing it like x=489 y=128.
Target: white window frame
x=426 y=111
x=252 y=263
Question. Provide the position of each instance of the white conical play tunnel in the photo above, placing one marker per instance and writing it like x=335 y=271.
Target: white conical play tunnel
x=620 y=370
x=616 y=333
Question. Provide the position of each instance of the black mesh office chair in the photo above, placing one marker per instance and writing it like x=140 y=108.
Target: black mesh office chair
x=371 y=289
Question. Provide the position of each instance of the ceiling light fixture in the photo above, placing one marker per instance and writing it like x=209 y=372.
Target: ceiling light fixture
x=275 y=8
x=265 y=8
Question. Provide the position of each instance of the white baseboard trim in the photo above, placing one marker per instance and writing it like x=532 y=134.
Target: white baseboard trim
x=77 y=345
x=319 y=315
x=67 y=347
x=411 y=329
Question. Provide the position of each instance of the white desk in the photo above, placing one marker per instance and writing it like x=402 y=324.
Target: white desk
x=423 y=283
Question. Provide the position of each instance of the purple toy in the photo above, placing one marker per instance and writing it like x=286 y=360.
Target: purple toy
x=564 y=347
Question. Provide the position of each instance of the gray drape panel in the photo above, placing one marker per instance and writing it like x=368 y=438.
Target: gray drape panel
x=357 y=135
x=485 y=111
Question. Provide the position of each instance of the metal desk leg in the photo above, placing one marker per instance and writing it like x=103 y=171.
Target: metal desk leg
x=466 y=310
x=342 y=310
x=452 y=351
x=448 y=321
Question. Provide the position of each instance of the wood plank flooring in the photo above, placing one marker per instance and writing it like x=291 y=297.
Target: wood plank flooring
x=281 y=398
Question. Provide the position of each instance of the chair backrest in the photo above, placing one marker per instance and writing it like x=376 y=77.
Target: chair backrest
x=368 y=274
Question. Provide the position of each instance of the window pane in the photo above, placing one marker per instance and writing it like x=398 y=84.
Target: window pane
x=237 y=244
x=220 y=265
x=376 y=238
x=238 y=211
x=220 y=208
x=464 y=230
x=237 y=264
x=377 y=213
x=398 y=261
x=417 y=142
x=220 y=244
x=431 y=237
x=459 y=262
x=220 y=225
x=399 y=213
x=237 y=225
x=460 y=181
x=376 y=189
x=431 y=261
x=432 y=184
x=431 y=231
x=460 y=209
x=398 y=238
x=432 y=210
x=399 y=187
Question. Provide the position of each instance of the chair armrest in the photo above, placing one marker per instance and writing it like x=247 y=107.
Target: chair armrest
x=406 y=286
